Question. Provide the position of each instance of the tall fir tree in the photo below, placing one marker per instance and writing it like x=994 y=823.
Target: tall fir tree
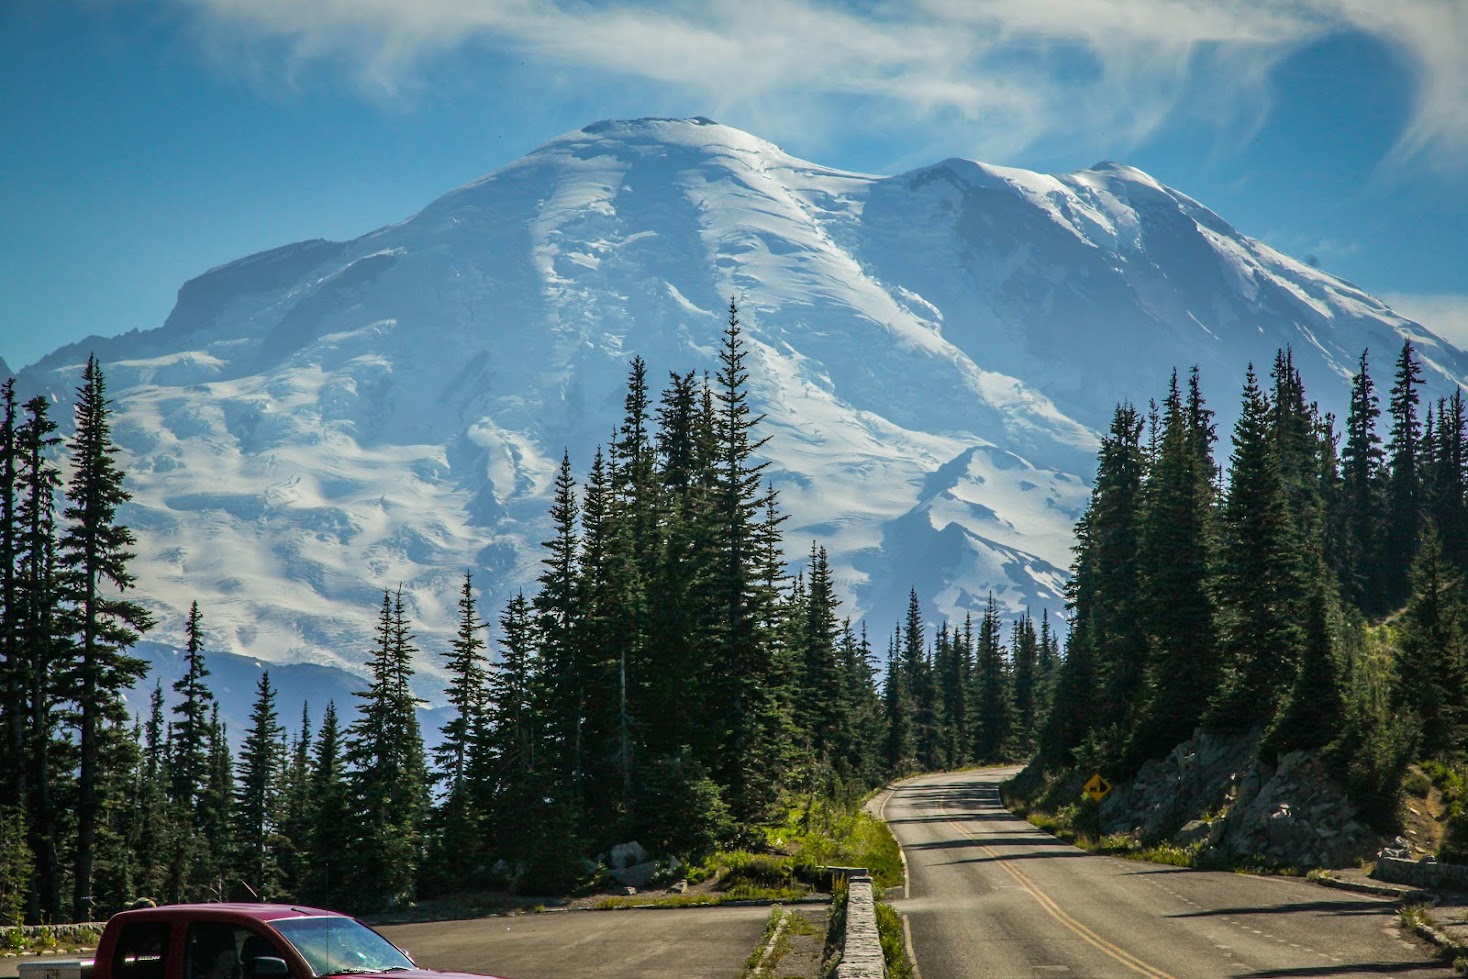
x=1260 y=580
x=46 y=647
x=558 y=614
x=13 y=657
x=992 y=696
x=387 y=772
x=1404 y=479
x=257 y=796
x=746 y=708
x=216 y=812
x=1432 y=656
x=1362 y=467
x=190 y=750
x=95 y=552
x=328 y=867
x=1177 y=544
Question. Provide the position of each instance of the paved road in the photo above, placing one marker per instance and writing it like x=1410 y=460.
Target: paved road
x=989 y=895
x=681 y=943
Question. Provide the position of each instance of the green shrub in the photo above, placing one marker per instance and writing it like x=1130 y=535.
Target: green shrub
x=1455 y=842
x=685 y=813
x=894 y=949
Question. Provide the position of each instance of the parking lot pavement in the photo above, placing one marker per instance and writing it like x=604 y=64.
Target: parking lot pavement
x=681 y=943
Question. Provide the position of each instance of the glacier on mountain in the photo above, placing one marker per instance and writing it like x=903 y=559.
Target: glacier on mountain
x=935 y=353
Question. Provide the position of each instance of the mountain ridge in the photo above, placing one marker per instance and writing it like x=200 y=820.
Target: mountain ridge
x=338 y=417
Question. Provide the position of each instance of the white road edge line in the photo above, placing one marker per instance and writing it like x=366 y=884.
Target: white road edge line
x=911 y=955
x=901 y=853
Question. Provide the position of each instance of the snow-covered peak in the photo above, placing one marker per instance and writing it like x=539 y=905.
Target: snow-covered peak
x=934 y=353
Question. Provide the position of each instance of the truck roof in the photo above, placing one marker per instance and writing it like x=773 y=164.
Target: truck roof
x=257 y=912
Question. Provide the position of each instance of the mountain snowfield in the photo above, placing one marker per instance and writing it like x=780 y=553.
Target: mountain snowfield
x=935 y=353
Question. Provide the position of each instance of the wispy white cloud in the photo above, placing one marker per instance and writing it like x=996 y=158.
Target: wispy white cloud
x=1445 y=314
x=1017 y=73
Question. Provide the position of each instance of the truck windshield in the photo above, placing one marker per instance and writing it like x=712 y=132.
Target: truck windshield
x=341 y=946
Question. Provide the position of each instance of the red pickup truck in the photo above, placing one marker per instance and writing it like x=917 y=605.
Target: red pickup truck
x=238 y=941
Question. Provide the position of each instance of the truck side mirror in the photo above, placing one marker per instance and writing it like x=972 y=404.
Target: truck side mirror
x=267 y=965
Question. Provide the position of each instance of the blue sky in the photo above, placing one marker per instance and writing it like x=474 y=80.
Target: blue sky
x=145 y=141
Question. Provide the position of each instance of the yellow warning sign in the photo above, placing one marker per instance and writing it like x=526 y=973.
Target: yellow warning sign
x=1096 y=787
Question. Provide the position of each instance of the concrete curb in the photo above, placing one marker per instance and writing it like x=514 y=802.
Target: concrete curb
x=1428 y=933
x=1403 y=895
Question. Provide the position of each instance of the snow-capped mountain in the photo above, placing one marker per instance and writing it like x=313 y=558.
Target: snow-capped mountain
x=935 y=353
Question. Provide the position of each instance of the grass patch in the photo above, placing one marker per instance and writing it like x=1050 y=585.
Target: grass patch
x=752 y=965
x=666 y=901
x=827 y=835
x=1412 y=916
x=894 y=949
x=70 y=939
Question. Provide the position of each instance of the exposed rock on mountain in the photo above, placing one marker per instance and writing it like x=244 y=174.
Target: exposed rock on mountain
x=934 y=353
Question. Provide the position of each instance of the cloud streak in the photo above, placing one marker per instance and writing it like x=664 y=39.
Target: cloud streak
x=1015 y=74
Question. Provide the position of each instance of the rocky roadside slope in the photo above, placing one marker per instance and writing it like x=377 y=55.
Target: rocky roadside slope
x=1213 y=793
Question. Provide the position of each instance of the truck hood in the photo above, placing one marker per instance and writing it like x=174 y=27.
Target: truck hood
x=418 y=974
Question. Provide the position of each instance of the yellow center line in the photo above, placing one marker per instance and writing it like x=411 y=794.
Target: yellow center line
x=1054 y=910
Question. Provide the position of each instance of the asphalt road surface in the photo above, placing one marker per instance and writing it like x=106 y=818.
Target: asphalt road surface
x=989 y=895
x=681 y=943
x=675 y=943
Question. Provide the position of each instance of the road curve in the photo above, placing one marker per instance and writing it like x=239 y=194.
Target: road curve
x=991 y=896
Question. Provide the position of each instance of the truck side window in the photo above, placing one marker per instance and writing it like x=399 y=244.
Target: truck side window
x=142 y=951
x=213 y=951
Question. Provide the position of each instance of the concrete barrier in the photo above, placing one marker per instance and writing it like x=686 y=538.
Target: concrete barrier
x=1426 y=872
x=862 y=957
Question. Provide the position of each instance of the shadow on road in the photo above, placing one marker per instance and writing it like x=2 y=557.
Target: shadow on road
x=1350 y=969
x=1332 y=908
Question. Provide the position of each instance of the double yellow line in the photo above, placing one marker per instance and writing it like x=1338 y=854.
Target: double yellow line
x=1085 y=934
x=1055 y=911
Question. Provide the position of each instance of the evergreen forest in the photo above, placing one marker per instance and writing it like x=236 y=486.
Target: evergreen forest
x=667 y=679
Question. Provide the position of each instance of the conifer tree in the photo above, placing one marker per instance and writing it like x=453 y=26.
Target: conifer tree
x=900 y=749
x=190 y=748
x=1260 y=578
x=1177 y=546
x=1432 y=658
x=918 y=673
x=746 y=708
x=992 y=694
x=95 y=551
x=558 y=613
x=297 y=807
x=954 y=678
x=257 y=795
x=45 y=647
x=1362 y=462
x=680 y=620
x=821 y=702
x=1106 y=595
x=514 y=777
x=328 y=870
x=13 y=658
x=466 y=692
x=152 y=833
x=1446 y=490
x=216 y=812
x=1314 y=713
x=1024 y=650
x=1404 y=481
x=387 y=774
